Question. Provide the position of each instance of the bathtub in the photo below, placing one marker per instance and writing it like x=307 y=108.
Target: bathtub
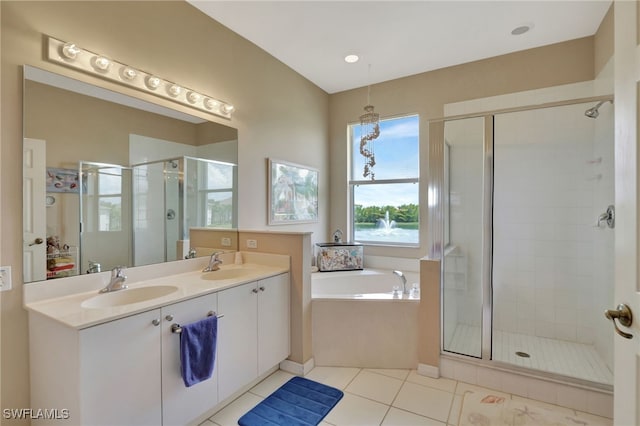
x=358 y=321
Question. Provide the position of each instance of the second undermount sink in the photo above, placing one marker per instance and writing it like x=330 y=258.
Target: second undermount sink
x=225 y=274
x=129 y=296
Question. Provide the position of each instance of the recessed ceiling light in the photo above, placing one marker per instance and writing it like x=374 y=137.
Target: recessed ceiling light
x=521 y=29
x=350 y=59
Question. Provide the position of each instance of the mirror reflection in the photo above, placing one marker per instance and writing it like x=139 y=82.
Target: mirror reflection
x=112 y=180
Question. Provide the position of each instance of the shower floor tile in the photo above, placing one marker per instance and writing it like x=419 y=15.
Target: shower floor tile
x=555 y=356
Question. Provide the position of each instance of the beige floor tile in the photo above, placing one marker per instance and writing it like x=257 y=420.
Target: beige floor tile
x=338 y=377
x=271 y=383
x=396 y=373
x=374 y=386
x=456 y=407
x=425 y=401
x=396 y=417
x=207 y=423
x=353 y=410
x=442 y=383
x=230 y=414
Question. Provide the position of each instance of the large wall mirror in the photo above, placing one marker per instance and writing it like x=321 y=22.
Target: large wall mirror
x=111 y=180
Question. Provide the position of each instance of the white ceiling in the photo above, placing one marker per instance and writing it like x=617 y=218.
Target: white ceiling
x=398 y=38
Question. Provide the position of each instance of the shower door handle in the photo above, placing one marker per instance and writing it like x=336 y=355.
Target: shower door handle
x=623 y=314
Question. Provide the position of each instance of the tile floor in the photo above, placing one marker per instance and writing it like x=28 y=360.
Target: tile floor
x=378 y=397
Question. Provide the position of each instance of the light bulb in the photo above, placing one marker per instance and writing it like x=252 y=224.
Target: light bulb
x=153 y=82
x=174 y=90
x=101 y=62
x=129 y=73
x=193 y=97
x=70 y=50
x=227 y=109
x=210 y=103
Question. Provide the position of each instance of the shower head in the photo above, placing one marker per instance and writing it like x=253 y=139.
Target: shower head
x=593 y=111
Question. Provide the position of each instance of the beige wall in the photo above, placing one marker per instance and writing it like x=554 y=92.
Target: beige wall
x=278 y=114
x=78 y=127
x=603 y=42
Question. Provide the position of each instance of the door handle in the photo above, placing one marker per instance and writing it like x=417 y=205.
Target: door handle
x=623 y=314
x=36 y=241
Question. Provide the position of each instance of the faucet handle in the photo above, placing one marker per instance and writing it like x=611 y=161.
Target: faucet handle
x=118 y=272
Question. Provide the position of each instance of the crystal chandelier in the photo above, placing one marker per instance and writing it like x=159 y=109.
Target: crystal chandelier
x=369 y=131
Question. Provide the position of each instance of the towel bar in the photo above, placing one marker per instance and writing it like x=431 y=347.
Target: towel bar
x=177 y=329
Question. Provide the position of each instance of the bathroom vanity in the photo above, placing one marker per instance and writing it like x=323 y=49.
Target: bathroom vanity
x=114 y=359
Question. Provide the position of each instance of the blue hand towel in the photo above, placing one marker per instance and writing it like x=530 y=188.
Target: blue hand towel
x=198 y=350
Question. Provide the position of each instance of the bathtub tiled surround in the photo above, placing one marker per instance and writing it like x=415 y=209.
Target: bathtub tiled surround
x=383 y=397
x=355 y=316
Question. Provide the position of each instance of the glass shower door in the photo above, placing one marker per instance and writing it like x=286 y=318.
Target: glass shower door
x=463 y=233
x=552 y=262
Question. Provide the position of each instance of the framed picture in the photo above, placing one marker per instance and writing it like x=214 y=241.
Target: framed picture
x=62 y=180
x=293 y=193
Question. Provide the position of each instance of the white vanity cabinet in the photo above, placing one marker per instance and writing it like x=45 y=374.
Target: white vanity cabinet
x=181 y=404
x=119 y=379
x=255 y=336
x=127 y=371
x=237 y=339
x=273 y=321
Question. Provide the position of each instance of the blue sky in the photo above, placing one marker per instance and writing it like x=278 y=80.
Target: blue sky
x=396 y=157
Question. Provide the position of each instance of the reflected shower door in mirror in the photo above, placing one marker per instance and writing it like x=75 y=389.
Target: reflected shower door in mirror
x=171 y=197
x=105 y=212
x=462 y=261
x=77 y=122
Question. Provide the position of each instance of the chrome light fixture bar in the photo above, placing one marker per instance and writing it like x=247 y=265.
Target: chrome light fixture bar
x=69 y=54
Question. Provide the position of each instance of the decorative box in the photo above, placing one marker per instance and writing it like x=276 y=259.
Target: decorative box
x=339 y=256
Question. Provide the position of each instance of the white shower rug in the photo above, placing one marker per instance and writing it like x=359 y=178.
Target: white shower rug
x=485 y=409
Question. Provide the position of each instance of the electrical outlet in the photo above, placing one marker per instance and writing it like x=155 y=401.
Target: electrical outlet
x=252 y=244
x=226 y=242
x=5 y=278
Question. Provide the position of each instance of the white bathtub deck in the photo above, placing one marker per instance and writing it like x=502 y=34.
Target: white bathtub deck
x=551 y=355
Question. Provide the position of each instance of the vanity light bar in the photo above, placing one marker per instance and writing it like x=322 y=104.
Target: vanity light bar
x=71 y=55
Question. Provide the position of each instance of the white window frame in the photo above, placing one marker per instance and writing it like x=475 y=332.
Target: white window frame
x=353 y=183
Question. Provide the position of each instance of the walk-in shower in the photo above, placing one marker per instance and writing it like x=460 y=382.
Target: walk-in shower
x=527 y=264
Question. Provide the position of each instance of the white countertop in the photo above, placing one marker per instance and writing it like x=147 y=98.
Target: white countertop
x=68 y=308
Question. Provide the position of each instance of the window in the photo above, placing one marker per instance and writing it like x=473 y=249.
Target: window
x=386 y=210
x=216 y=193
x=109 y=193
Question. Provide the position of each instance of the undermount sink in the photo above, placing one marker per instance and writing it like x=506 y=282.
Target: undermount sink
x=225 y=274
x=129 y=296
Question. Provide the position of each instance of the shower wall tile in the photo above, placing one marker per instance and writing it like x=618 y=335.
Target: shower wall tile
x=544 y=213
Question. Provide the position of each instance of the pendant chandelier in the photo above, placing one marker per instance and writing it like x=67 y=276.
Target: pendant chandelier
x=369 y=131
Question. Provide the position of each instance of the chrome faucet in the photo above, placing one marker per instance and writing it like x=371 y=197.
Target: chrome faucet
x=402 y=278
x=337 y=236
x=214 y=262
x=117 y=280
x=192 y=254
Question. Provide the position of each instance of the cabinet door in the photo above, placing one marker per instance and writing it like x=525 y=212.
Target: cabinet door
x=120 y=372
x=273 y=321
x=181 y=404
x=237 y=338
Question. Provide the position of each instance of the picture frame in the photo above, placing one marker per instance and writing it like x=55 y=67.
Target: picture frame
x=292 y=193
x=62 y=180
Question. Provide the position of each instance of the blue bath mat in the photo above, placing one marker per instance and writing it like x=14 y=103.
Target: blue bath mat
x=299 y=402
